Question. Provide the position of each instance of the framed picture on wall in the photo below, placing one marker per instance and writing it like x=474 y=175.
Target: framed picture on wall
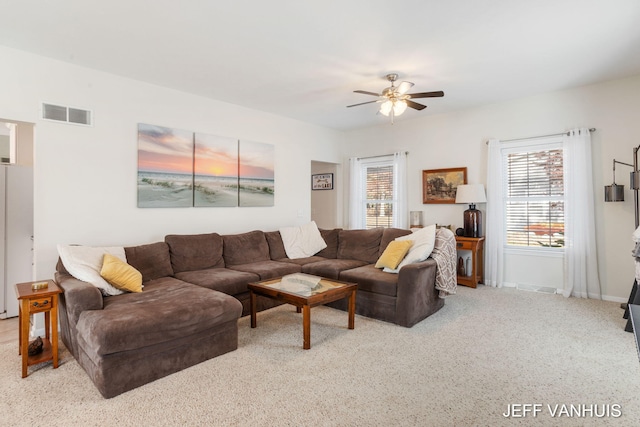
x=440 y=185
x=322 y=181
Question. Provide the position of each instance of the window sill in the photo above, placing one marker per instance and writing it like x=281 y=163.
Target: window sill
x=546 y=252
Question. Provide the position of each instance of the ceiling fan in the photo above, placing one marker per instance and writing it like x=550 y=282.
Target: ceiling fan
x=395 y=99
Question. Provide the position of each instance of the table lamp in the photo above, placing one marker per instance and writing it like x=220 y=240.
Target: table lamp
x=471 y=194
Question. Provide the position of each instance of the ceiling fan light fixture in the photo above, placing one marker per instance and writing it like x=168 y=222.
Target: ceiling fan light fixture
x=385 y=107
x=399 y=107
x=394 y=100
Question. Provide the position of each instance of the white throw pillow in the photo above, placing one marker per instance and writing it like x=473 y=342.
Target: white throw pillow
x=85 y=262
x=303 y=241
x=423 y=241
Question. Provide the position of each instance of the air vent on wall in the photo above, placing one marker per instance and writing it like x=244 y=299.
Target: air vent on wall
x=60 y=113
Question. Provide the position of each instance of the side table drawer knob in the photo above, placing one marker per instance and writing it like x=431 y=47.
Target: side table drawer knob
x=41 y=303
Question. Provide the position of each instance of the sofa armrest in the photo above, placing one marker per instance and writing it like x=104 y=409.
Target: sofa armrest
x=78 y=296
x=417 y=296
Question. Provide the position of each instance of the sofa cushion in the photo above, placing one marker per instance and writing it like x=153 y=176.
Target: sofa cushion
x=151 y=260
x=371 y=279
x=276 y=247
x=331 y=239
x=231 y=282
x=268 y=269
x=331 y=268
x=390 y=234
x=302 y=261
x=423 y=243
x=168 y=309
x=363 y=245
x=394 y=253
x=245 y=248
x=85 y=262
x=195 y=251
x=302 y=241
x=120 y=274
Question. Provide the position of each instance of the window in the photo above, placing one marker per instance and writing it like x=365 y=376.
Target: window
x=378 y=192
x=534 y=196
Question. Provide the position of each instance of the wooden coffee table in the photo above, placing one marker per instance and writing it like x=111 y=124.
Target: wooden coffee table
x=328 y=290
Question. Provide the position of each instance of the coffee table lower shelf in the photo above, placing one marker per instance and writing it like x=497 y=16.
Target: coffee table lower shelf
x=304 y=303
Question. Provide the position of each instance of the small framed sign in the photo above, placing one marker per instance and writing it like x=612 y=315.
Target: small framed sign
x=323 y=181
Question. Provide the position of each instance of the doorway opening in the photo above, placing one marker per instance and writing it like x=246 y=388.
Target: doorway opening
x=326 y=204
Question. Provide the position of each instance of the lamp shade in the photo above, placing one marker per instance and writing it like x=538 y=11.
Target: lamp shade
x=614 y=193
x=471 y=194
x=399 y=107
x=386 y=107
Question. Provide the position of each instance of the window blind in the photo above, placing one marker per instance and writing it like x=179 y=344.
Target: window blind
x=535 y=198
x=379 y=192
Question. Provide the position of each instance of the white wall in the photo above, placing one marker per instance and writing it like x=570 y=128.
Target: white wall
x=85 y=177
x=458 y=139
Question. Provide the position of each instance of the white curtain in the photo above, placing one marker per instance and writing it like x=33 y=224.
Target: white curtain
x=494 y=240
x=401 y=215
x=356 y=205
x=580 y=256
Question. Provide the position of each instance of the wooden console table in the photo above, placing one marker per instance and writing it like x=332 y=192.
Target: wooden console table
x=38 y=301
x=476 y=246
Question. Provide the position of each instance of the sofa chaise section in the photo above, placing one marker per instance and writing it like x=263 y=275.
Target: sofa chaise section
x=128 y=340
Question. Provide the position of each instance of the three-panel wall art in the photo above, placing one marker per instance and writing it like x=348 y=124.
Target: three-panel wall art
x=178 y=168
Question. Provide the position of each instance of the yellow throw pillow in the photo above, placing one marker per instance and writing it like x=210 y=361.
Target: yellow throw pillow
x=120 y=274
x=393 y=255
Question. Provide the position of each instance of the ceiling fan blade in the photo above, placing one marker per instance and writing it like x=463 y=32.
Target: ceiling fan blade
x=362 y=103
x=403 y=87
x=436 y=94
x=366 y=93
x=415 y=105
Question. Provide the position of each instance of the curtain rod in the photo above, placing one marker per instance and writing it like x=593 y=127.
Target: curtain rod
x=381 y=155
x=540 y=136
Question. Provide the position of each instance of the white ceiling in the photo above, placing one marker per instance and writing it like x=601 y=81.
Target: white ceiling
x=303 y=59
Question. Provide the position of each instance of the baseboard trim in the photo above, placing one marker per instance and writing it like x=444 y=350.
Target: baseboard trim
x=559 y=292
x=614 y=299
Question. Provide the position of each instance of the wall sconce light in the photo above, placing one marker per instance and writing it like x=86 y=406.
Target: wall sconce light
x=615 y=192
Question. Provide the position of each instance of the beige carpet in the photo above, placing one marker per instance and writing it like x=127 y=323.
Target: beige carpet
x=486 y=349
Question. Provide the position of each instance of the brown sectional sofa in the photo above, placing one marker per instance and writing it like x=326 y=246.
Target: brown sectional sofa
x=195 y=289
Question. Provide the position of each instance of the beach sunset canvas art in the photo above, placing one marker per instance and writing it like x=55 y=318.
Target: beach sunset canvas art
x=215 y=171
x=165 y=167
x=257 y=185
x=178 y=168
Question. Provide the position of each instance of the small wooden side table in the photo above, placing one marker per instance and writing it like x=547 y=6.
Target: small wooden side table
x=38 y=301
x=476 y=246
